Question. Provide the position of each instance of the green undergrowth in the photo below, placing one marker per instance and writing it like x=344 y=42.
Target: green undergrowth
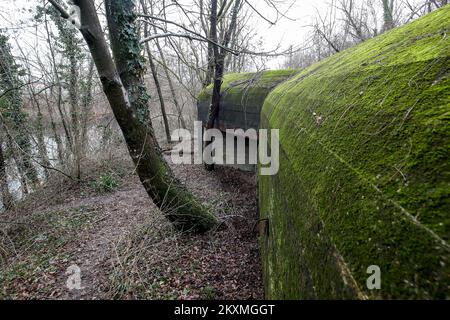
x=106 y=182
x=364 y=176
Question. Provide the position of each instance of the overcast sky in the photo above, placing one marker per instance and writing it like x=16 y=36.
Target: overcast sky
x=15 y=15
x=292 y=31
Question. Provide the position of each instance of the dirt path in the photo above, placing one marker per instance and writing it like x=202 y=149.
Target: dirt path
x=93 y=251
x=125 y=249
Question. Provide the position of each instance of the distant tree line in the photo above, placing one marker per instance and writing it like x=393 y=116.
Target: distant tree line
x=349 y=22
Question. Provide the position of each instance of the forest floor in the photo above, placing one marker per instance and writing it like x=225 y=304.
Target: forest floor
x=123 y=246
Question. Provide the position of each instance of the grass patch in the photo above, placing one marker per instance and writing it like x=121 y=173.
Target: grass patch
x=33 y=250
x=107 y=182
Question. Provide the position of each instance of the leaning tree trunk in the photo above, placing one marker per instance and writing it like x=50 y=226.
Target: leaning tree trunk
x=123 y=85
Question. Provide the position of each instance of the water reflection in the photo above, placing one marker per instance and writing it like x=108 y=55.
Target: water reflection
x=95 y=140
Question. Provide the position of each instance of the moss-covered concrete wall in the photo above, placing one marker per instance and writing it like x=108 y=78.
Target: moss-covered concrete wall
x=365 y=173
x=242 y=98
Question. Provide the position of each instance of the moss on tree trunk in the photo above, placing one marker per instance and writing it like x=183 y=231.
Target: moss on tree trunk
x=124 y=87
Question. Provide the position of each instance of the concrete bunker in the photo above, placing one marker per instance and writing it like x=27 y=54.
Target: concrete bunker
x=364 y=168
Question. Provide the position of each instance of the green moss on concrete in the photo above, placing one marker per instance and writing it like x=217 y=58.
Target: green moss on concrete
x=251 y=84
x=243 y=95
x=365 y=172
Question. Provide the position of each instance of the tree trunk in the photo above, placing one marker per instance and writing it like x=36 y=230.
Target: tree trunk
x=123 y=85
x=41 y=146
x=40 y=139
x=74 y=115
x=210 y=70
x=86 y=109
x=388 y=14
x=56 y=136
x=219 y=63
x=181 y=121
x=15 y=123
x=21 y=171
x=213 y=60
x=7 y=199
x=219 y=59
x=157 y=84
x=59 y=86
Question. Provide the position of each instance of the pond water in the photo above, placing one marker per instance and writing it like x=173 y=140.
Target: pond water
x=95 y=140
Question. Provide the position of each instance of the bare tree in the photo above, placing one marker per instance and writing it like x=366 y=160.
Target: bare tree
x=14 y=120
x=349 y=22
x=188 y=54
x=156 y=77
x=170 y=83
x=122 y=81
x=219 y=60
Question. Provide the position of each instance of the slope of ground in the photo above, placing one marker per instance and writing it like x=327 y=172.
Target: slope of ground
x=124 y=247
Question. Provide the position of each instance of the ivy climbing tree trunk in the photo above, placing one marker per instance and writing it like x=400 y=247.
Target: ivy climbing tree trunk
x=122 y=81
x=163 y=62
x=12 y=105
x=7 y=199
